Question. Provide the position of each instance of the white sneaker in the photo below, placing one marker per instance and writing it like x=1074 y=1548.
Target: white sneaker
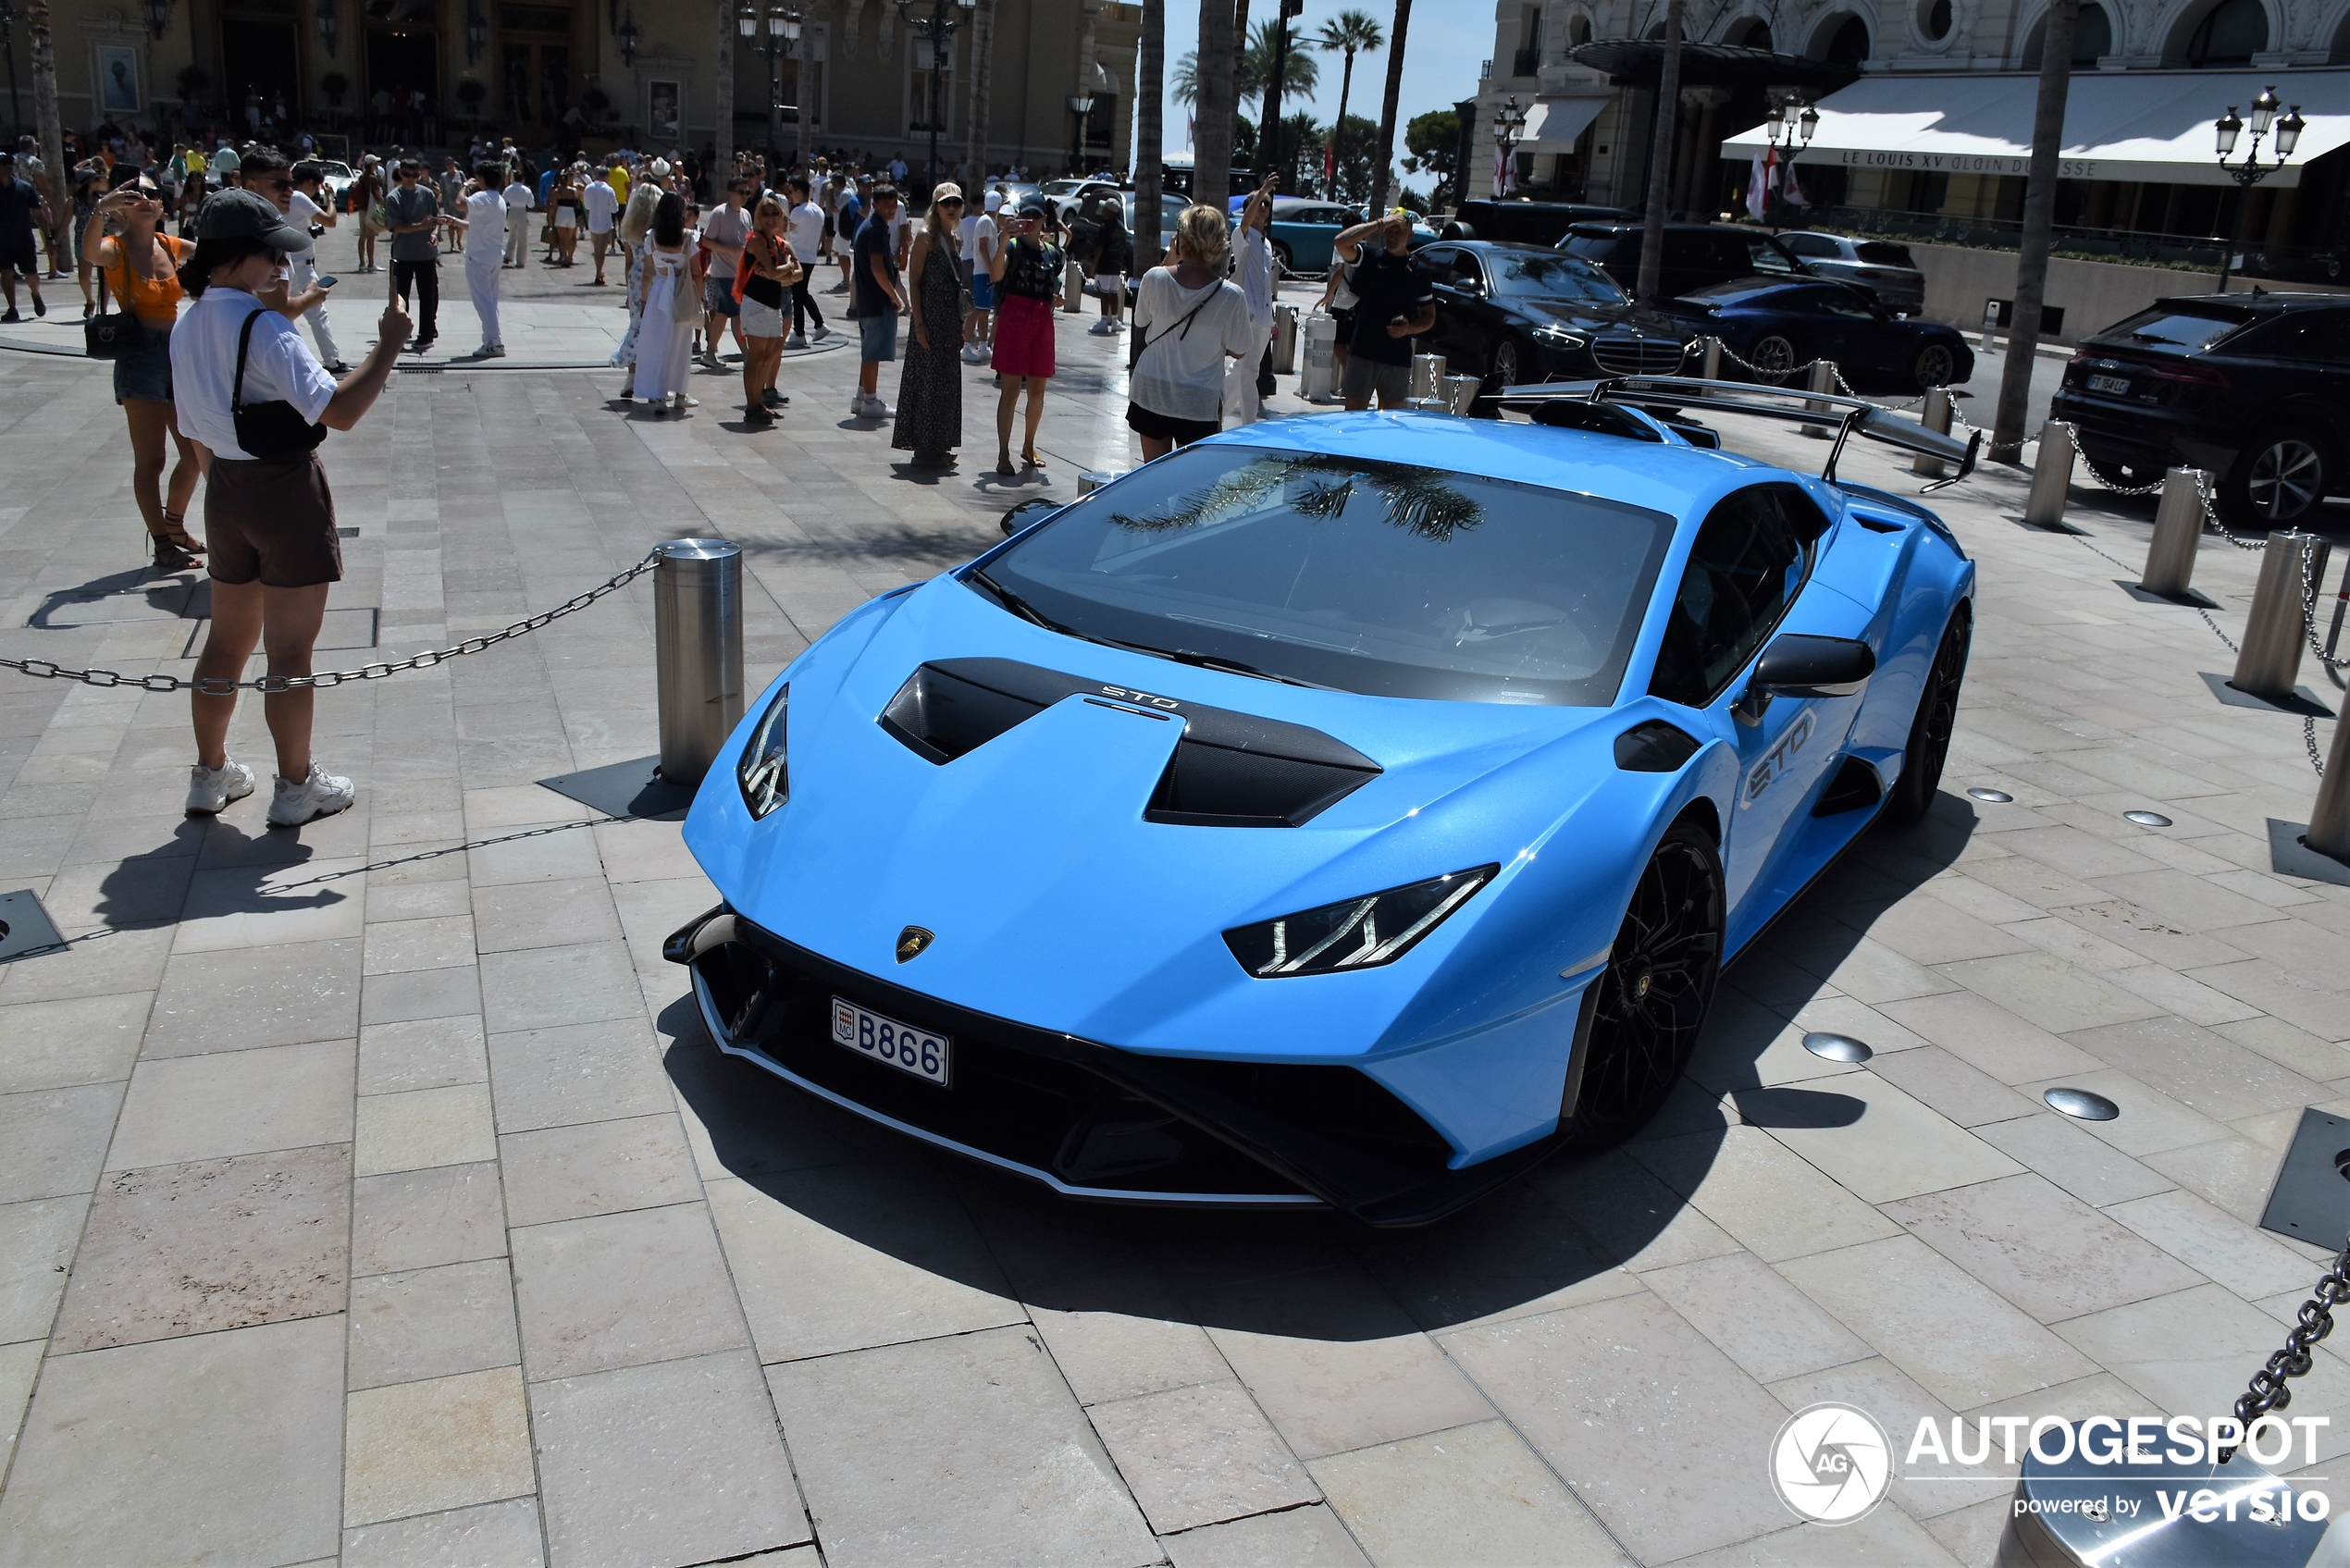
x=320 y=794
x=822 y=332
x=209 y=789
x=796 y=340
x=876 y=409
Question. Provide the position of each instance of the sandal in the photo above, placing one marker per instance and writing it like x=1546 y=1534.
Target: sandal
x=1031 y=459
x=1004 y=466
x=170 y=557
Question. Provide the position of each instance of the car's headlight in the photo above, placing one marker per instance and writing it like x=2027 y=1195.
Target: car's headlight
x=1359 y=933
x=763 y=772
x=1559 y=338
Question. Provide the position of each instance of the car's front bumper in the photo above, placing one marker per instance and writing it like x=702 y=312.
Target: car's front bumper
x=1086 y=1119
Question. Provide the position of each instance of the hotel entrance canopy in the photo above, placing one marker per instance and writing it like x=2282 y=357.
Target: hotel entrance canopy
x=2154 y=126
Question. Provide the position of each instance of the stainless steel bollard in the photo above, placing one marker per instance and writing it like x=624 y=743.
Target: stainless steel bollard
x=1073 y=288
x=1318 y=383
x=1712 y=358
x=2178 y=531
x=1934 y=416
x=1460 y=392
x=2330 y=817
x=2273 y=636
x=1093 y=479
x=1284 y=339
x=697 y=643
x=1823 y=380
x=1428 y=376
x=2051 y=477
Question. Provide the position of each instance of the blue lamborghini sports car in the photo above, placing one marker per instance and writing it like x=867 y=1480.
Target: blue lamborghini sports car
x=1345 y=811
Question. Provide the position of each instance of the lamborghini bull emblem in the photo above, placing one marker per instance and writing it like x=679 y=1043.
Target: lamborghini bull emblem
x=912 y=941
x=1774 y=765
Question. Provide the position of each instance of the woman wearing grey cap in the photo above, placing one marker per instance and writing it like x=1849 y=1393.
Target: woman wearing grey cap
x=256 y=404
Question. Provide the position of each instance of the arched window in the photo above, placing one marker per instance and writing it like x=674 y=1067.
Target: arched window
x=1849 y=45
x=1578 y=32
x=2230 y=35
x=1752 y=32
x=1935 y=20
x=2092 y=39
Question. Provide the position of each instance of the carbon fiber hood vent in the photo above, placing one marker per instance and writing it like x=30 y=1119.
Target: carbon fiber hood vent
x=1230 y=769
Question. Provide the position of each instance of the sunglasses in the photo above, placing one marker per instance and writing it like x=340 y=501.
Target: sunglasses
x=950 y=201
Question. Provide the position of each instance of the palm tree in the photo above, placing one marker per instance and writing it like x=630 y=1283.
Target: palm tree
x=1349 y=33
x=1150 y=60
x=1386 y=156
x=1301 y=73
x=1206 y=81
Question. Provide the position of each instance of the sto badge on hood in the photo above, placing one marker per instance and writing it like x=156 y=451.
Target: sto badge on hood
x=912 y=941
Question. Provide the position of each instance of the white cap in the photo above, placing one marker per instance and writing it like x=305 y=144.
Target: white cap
x=994 y=201
x=661 y=167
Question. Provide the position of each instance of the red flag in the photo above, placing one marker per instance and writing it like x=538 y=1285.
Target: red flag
x=1329 y=166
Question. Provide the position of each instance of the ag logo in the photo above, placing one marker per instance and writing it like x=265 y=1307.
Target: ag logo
x=1831 y=1463
x=912 y=941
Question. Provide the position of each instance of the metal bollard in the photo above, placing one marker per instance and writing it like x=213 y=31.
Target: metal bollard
x=1934 y=416
x=2178 y=530
x=2330 y=817
x=1073 y=288
x=2051 y=477
x=1093 y=479
x=1712 y=359
x=2270 y=663
x=1284 y=339
x=1428 y=376
x=1460 y=392
x=1318 y=383
x=1823 y=380
x=697 y=643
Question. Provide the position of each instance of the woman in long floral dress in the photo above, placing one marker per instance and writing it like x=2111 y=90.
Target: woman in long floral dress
x=929 y=391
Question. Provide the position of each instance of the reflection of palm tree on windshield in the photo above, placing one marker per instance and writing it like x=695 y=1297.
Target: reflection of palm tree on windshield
x=1422 y=501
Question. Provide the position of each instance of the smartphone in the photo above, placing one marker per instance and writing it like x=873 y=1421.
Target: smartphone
x=326 y=281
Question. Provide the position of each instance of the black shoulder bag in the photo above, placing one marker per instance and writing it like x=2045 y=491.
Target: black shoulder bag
x=270 y=432
x=1182 y=328
x=111 y=333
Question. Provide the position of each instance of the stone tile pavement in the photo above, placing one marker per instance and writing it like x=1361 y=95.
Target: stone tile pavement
x=371 y=1193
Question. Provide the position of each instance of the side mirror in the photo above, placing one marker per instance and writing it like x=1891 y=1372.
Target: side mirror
x=1800 y=665
x=1030 y=510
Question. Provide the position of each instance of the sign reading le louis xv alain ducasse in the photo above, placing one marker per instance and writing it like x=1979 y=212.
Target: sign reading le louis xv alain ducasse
x=1951 y=163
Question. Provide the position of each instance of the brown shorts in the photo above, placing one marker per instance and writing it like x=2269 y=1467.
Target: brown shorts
x=274 y=522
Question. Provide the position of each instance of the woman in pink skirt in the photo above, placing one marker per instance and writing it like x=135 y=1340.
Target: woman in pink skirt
x=1027 y=274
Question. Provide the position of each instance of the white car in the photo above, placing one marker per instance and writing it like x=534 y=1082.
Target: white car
x=338 y=178
x=1884 y=268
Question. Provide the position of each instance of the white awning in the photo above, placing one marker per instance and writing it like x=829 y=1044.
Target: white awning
x=2117 y=125
x=1553 y=124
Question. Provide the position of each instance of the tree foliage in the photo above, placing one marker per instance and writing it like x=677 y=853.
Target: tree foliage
x=1433 y=140
x=1301 y=72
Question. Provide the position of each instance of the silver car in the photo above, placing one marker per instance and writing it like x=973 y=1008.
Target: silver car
x=1881 y=267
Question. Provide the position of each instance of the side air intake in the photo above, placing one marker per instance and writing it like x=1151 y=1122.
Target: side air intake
x=1230 y=770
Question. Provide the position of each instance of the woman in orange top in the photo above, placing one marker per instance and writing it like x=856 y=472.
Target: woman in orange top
x=140 y=268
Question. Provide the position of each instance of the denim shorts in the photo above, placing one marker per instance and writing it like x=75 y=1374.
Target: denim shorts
x=717 y=294
x=145 y=377
x=877 y=334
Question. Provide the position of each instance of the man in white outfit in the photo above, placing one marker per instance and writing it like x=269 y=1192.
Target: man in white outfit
x=602 y=203
x=517 y=197
x=1242 y=403
x=308 y=207
x=484 y=227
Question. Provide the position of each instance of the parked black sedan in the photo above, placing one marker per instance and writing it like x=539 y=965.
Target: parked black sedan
x=1778 y=328
x=1521 y=313
x=2253 y=388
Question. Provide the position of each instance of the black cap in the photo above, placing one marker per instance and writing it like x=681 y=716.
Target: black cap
x=243 y=215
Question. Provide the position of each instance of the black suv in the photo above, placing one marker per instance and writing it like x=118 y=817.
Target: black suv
x=1696 y=255
x=1524 y=222
x=2252 y=387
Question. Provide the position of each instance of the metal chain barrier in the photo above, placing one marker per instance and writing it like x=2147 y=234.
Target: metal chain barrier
x=2270 y=1390
x=2309 y=739
x=215 y=686
x=2310 y=612
x=2203 y=493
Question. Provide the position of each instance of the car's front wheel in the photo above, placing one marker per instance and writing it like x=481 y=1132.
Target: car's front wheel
x=1284 y=263
x=1772 y=359
x=1929 y=729
x=1937 y=366
x=1505 y=365
x=1655 y=991
x=2279 y=478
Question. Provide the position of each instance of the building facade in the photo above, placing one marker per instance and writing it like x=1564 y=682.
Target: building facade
x=663 y=74
x=1926 y=111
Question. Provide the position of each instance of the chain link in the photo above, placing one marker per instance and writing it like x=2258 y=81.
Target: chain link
x=2270 y=1390
x=2309 y=612
x=2212 y=518
x=215 y=685
x=2309 y=739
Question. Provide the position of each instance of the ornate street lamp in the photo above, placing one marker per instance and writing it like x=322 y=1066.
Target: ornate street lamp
x=327 y=26
x=1080 y=106
x=1796 y=132
x=628 y=32
x=938 y=26
x=778 y=38
x=477 y=34
x=158 y=17
x=1509 y=129
x=2252 y=171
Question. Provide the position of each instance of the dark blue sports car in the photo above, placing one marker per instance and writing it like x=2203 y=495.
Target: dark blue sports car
x=1780 y=327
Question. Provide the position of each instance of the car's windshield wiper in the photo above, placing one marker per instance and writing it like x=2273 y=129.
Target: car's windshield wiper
x=1029 y=613
x=1232 y=667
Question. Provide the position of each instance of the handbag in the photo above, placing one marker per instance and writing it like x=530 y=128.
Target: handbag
x=111 y=333
x=1135 y=344
x=269 y=432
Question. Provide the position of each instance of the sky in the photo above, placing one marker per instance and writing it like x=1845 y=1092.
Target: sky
x=1447 y=42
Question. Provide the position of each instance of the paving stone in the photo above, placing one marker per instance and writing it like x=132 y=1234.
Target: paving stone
x=1990 y=1039
x=214 y=1446
x=2223 y=1247
x=234 y=1001
x=547 y=987
x=421 y=994
x=622 y=1289
x=419 y=1218
x=2055 y=1146
x=421 y=1054
x=558 y=913
x=1295 y=1537
x=189 y=1248
x=421 y=1128
x=679 y=1462
x=1886 y=1535
x=230 y=1102
x=2199 y=1068
x=597 y=1167
x=1197 y=1455
x=1475 y=1496
x=81 y=1040
x=37 y=1242
x=2040 y=1247
x=1893 y=1147
x=56 y=1139
x=582 y=1072
x=428 y=1447
x=968 y=1447
x=266 y=906
x=1759 y=1320
x=432 y=1323
x=491 y=1535
x=1763 y=1194
x=435 y=943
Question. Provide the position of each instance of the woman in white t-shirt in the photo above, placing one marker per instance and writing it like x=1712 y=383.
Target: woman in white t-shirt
x=1189 y=319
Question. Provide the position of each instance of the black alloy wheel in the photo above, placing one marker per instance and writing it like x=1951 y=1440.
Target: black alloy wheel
x=1656 y=992
x=2279 y=478
x=1774 y=360
x=1930 y=731
x=1937 y=366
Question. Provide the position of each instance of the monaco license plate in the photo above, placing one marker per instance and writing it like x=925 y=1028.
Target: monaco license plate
x=2117 y=384
x=901 y=1045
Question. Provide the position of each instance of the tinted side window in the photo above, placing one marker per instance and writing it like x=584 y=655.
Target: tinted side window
x=2319 y=336
x=1598 y=249
x=1811 y=245
x=1750 y=559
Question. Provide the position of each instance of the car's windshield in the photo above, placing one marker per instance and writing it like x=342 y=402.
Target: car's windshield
x=1385 y=578
x=1552 y=278
x=2186 y=329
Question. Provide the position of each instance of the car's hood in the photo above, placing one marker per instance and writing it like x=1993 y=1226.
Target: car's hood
x=1052 y=897
x=1581 y=315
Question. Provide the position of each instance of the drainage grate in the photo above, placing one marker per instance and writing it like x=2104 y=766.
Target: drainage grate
x=2311 y=1198
x=24 y=926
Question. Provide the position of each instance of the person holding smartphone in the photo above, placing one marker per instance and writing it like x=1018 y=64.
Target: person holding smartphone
x=1026 y=272
x=306 y=204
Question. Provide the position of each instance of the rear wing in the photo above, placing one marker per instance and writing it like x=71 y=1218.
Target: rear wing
x=1847 y=415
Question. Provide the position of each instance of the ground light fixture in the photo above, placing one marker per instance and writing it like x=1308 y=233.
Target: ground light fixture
x=2080 y=1105
x=1836 y=1047
x=2147 y=818
x=1996 y=797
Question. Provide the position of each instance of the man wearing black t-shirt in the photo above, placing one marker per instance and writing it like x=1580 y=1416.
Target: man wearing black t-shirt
x=1396 y=304
x=21 y=210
